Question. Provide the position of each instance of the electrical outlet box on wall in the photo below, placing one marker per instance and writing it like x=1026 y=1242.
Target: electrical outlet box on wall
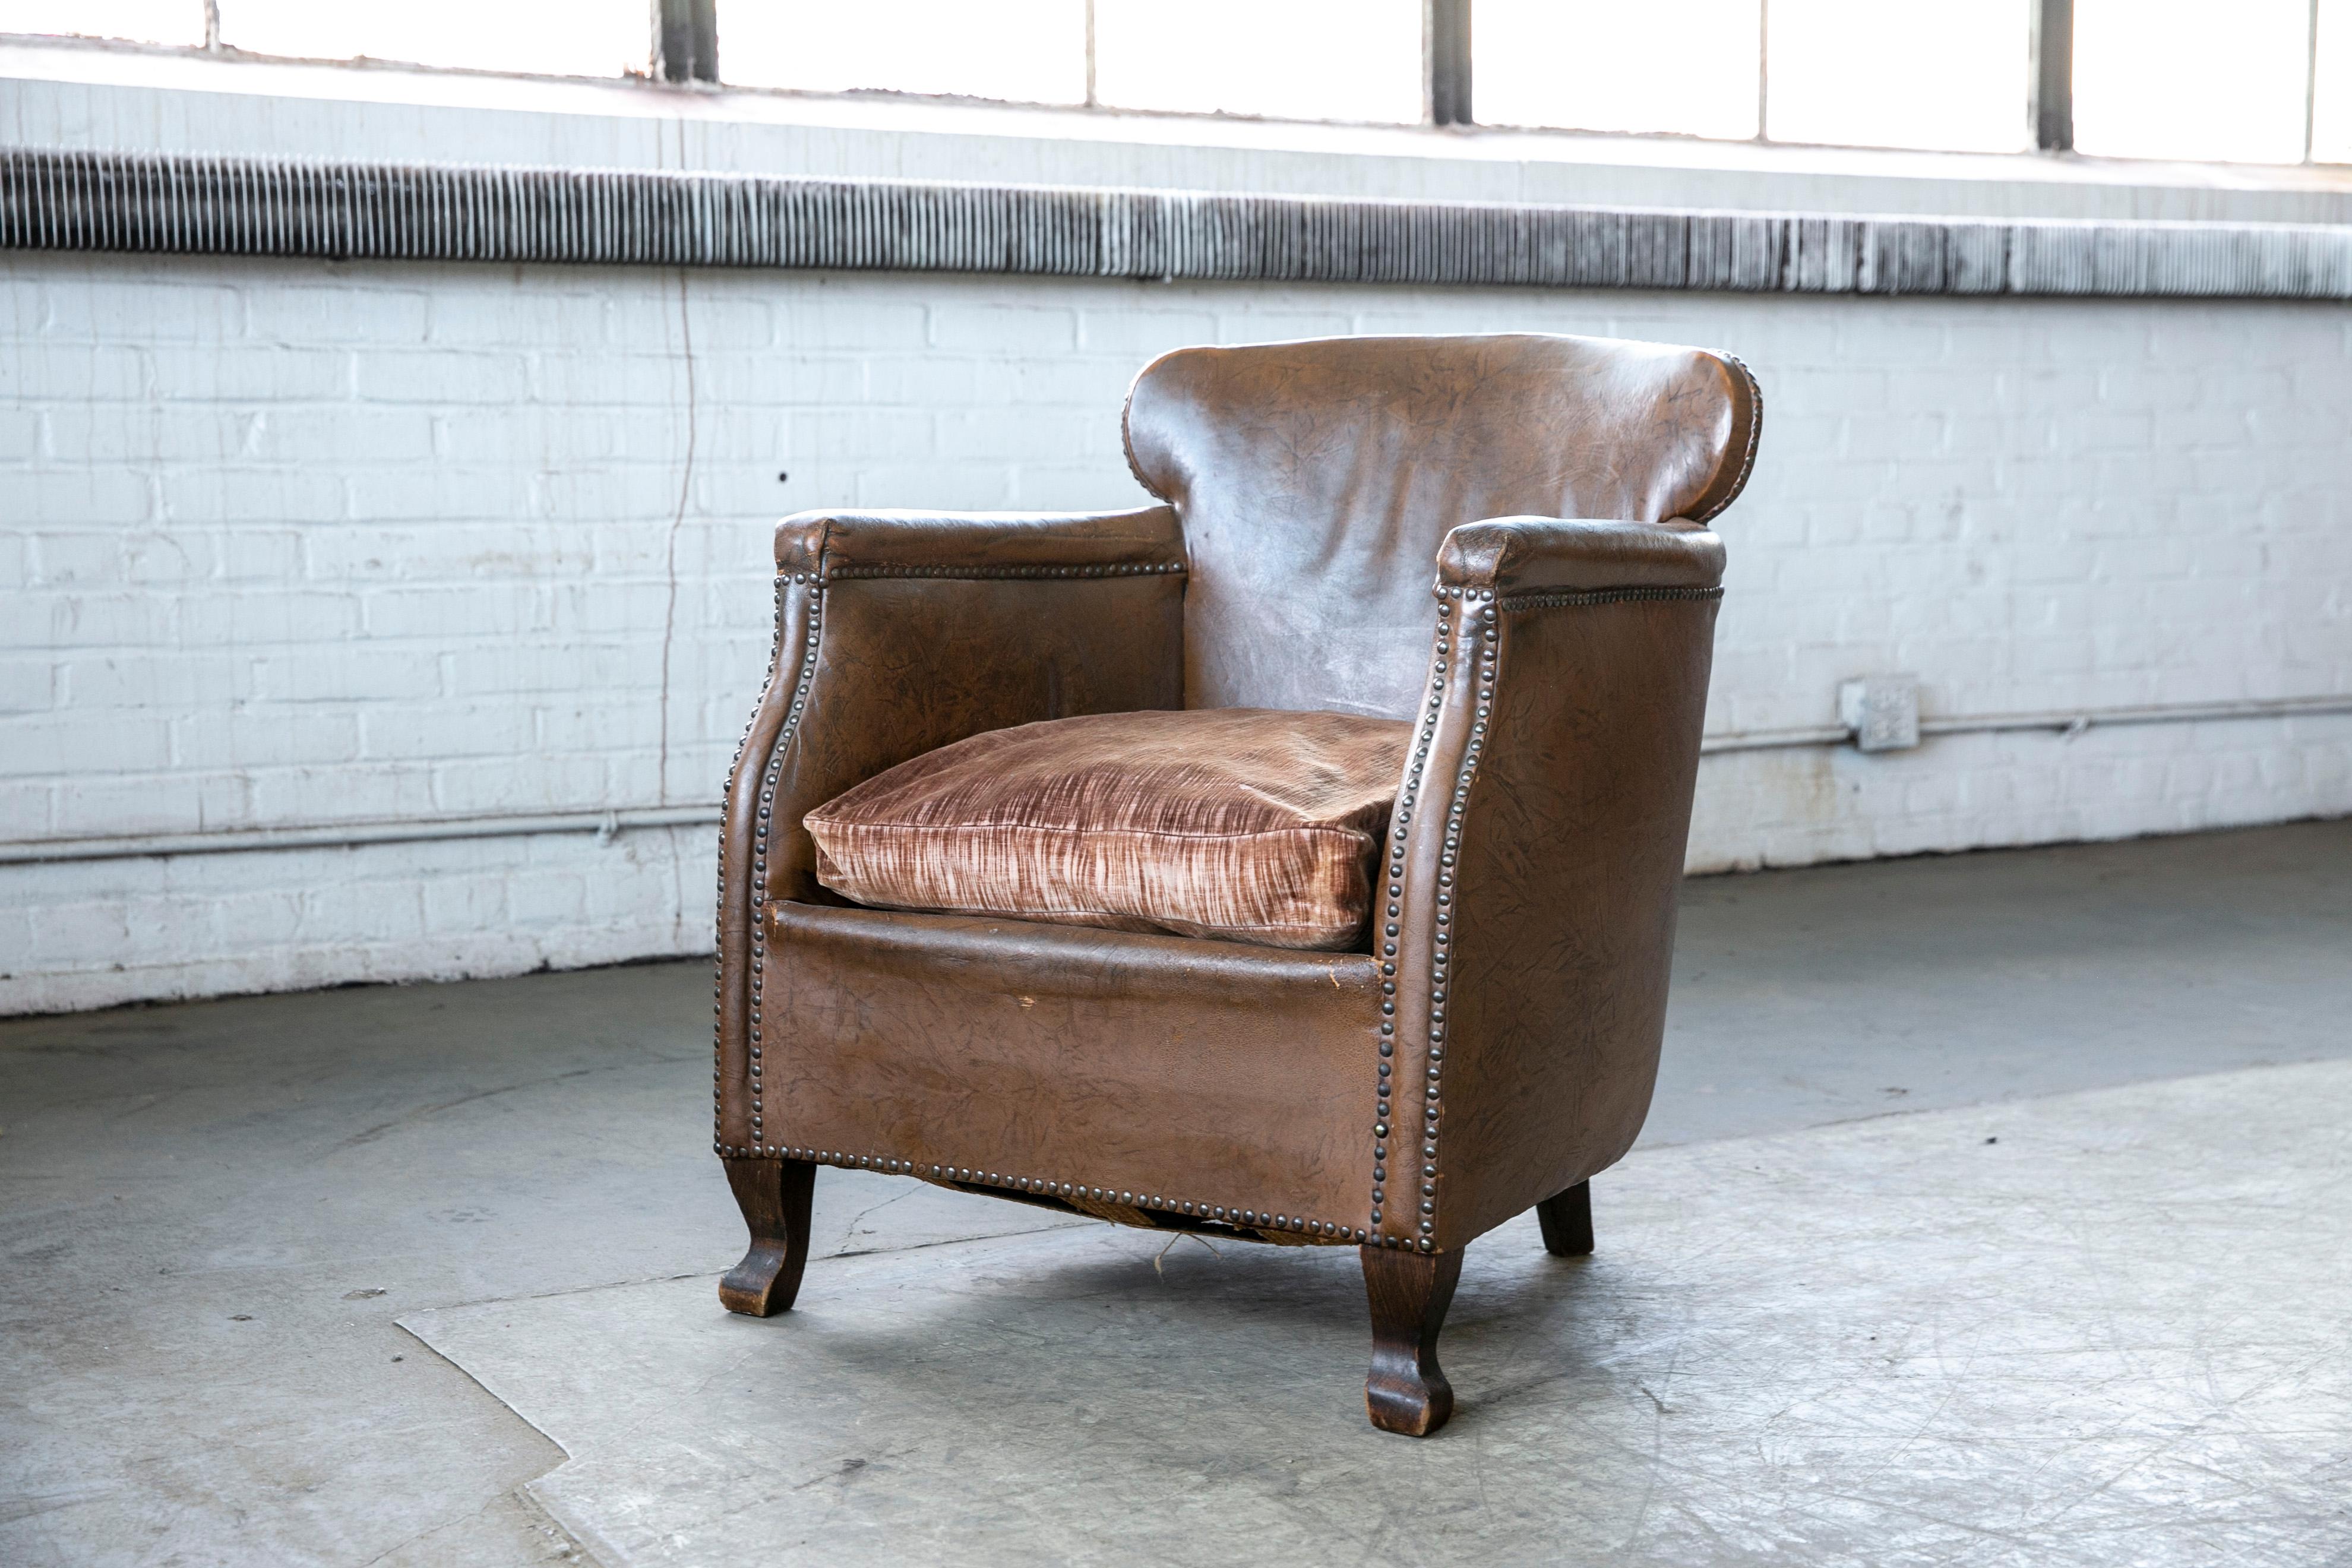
x=1882 y=712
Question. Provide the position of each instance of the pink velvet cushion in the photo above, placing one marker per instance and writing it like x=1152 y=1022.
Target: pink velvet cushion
x=1241 y=822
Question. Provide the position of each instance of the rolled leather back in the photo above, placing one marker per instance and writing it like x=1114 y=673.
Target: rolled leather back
x=1317 y=480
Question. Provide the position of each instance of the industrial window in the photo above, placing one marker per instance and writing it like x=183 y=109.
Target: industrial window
x=558 y=37
x=554 y=38
x=2190 y=78
x=1691 y=67
x=2266 y=81
x=2331 y=83
x=1301 y=60
x=1308 y=60
x=1871 y=73
x=1028 y=51
x=134 y=21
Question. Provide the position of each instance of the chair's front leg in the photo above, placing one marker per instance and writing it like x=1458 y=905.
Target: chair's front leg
x=1410 y=1293
x=774 y=1197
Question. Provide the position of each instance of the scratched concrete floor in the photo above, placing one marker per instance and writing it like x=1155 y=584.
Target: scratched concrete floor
x=2092 y=1329
x=211 y=1216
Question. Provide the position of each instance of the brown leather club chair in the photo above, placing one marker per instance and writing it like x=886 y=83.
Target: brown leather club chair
x=1384 y=526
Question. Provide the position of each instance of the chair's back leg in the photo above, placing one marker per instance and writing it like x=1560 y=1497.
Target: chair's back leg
x=1567 y=1221
x=1409 y=1292
x=774 y=1197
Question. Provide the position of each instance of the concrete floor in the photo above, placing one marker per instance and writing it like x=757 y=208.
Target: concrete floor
x=2095 y=1331
x=213 y=1214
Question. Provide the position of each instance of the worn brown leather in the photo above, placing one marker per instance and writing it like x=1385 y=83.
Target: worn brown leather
x=975 y=544
x=1543 y=826
x=1317 y=480
x=1524 y=554
x=1399 y=527
x=896 y=633
x=1170 y=1073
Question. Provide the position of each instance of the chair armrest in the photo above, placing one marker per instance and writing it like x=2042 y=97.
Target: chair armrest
x=1533 y=863
x=839 y=544
x=1514 y=556
x=898 y=632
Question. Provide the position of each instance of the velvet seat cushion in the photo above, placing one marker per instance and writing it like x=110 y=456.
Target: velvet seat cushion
x=1240 y=823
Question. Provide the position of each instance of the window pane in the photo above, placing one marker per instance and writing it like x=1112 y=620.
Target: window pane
x=2190 y=78
x=1686 y=66
x=140 y=21
x=1901 y=73
x=2331 y=96
x=548 y=38
x=1028 y=51
x=1295 y=59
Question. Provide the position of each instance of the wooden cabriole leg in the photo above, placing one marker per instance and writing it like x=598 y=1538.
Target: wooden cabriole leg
x=774 y=1197
x=1567 y=1221
x=1410 y=1293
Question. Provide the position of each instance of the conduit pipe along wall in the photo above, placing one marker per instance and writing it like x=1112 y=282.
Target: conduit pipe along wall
x=606 y=825
x=408 y=523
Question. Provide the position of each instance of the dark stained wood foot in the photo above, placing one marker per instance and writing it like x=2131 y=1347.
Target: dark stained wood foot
x=1567 y=1221
x=1409 y=1292
x=774 y=1197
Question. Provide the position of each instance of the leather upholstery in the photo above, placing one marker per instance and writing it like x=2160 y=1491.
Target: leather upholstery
x=1525 y=554
x=1563 y=745
x=1149 y=1074
x=1317 y=480
x=1397 y=527
x=1241 y=823
x=881 y=655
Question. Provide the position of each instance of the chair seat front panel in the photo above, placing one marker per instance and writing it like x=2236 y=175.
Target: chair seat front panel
x=1192 y=1077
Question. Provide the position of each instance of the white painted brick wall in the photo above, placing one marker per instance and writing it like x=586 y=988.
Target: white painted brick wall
x=301 y=543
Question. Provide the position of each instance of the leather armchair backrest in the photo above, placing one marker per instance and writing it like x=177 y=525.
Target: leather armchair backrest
x=1317 y=480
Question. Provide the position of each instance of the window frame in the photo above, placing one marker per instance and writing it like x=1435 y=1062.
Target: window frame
x=686 y=35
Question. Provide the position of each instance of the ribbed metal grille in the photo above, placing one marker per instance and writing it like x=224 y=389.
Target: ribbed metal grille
x=258 y=207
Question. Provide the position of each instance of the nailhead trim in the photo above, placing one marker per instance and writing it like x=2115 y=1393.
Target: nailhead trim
x=1563 y=598
x=1481 y=633
x=759 y=890
x=1485 y=632
x=757 y=893
x=717 y=963
x=1754 y=433
x=1110 y=569
x=1251 y=1219
x=1401 y=821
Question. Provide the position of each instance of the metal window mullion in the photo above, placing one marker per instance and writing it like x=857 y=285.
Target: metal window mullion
x=2311 y=85
x=1448 y=61
x=2052 y=110
x=1092 y=102
x=686 y=40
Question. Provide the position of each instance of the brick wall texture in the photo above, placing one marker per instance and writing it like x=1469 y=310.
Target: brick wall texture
x=296 y=544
